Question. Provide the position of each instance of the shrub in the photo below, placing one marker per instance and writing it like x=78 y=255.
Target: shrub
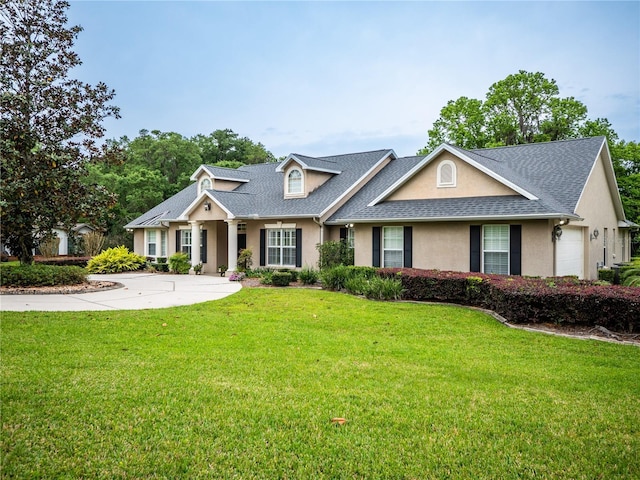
x=64 y=261
x=266 y=277
x=606 y=275
x=281 y=279
x=245 y=259
x=179 y=263
x=116 y=260
x=293 y=273
x=334 y=253
x=92 y=243
x=236 y=276
x=631 y=277
x=38 y=275
x=528 y=300
x=50 y=246
x=308 y=275
x=383 y=288
x=159 y=267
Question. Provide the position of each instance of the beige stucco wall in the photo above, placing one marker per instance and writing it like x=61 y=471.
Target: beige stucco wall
x=445 y=246
x=597 y=208
x=217 y=184
x=470 y=182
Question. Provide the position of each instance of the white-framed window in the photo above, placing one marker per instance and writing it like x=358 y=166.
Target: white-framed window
x=351 y=237
x=294 y=182
x=392 y=247
x=151 y=243
x=205 y=184
x=281 y=247
x=185 y=242
x=163 y=243
x=495 y=249
x=242 y=228
x=446 y=174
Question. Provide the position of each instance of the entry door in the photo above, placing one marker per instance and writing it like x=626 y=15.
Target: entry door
x=570 y=252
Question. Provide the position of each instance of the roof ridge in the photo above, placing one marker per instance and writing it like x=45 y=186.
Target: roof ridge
x=520 y=145
x=344 y=154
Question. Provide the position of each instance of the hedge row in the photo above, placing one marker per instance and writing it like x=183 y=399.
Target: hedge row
x=41 y=275
x=64 y=261
x=562 y=300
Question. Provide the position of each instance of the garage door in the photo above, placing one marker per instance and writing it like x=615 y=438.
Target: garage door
x=570 y=252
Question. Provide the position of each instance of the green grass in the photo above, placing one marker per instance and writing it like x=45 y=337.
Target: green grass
x=246 y=387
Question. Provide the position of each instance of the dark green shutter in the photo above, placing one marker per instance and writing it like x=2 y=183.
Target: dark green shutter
x=515 y=249
x=178 y=239
x=475 y=254
x=343 y=233
x=408 y=247
x=375 y=243
x=298 y=247
x=203 y=248
x=263 y=242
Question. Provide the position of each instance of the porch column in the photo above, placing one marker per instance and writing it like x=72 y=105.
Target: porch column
x=232 y=245
x=195 y=243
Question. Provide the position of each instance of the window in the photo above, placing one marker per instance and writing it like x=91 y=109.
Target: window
x=151 y=243
x=163 y=243
x=351 y=237
x=205 y=184
x=447 y=174
x=185 y=242
x=294 y=182
x=281 y=246
x=392 y=247
x=495 y=249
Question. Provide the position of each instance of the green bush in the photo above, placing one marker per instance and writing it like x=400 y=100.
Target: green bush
x=158 y=267
x=266 y=277
x=293 y=273
x=64 y=261
x=41 y=275
x=334 y=253
x=116 y=260
x=606 y=275
x=245 y=259
x=336 y=278
x=631 y=277
x=179 y=263
x=308 y=275
x=281 y=279
x=383 y=289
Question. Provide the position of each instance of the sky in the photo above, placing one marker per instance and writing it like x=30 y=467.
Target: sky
x=325 y=78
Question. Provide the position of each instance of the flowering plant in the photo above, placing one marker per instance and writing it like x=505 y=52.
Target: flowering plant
x=236 y=276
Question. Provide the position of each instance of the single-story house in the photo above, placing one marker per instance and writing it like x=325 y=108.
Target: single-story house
x=541 y=209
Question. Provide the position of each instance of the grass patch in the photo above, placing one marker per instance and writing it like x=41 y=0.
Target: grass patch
x=245 y=387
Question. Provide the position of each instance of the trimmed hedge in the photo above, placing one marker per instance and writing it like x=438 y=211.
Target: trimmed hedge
x=280 y=279
x=64 y=261
x=561 y=300
x=41 y=275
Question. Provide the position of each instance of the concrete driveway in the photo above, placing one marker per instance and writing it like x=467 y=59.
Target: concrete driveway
x=139 y=291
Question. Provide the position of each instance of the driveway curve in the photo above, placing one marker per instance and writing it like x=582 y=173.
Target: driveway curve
x=139 y=291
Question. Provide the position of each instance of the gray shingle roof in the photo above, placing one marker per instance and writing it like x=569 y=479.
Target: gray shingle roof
x=555 y=172
x=170 y=209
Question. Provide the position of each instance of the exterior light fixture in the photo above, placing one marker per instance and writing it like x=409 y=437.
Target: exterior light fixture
x=556 y=233
x=207 y=206
x=594 y=234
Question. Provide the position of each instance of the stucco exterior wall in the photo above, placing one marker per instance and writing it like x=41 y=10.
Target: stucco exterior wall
x=470 y=182
x=445 y=246
x=138 y=241
x=596 y=207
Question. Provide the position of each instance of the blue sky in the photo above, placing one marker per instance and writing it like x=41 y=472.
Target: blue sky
x=323 y=78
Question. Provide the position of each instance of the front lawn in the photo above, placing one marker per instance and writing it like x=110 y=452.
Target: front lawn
x=246 y=387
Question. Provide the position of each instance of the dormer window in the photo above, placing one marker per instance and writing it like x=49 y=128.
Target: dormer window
x=294 y=182
x=205 y=184
x=447 y=174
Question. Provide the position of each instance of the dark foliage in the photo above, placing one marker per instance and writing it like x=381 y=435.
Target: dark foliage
x=64 y=261
x=562 y=300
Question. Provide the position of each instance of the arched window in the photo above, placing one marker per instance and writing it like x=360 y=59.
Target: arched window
x=447 y=174
x=205 y=184
x=294 y=181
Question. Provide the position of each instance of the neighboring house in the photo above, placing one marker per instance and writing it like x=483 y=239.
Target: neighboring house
x=67 y=243
x=539 y=209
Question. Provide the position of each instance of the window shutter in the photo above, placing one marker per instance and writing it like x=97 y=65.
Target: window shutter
x=474 y=253
x=343 y=234
x=203 y=248
x=178 y=238
x=375 y=243
x=263 y=242
x=408 y=247
x=515 y=249
x=298 y=247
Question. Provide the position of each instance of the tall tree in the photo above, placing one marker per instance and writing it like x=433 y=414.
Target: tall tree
x=227 y=146
x=50 y=124
x=522 y=108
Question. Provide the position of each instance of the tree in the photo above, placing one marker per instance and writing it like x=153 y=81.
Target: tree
x=522 y=108
x=226 y=145
x=49 y=126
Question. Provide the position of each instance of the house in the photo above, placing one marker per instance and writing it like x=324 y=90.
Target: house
x=541 y=209
x=68 y=242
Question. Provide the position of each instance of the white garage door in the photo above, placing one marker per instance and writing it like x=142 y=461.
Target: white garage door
x=570 y=252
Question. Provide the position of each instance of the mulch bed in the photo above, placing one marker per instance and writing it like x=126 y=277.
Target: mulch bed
x=91 y=286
